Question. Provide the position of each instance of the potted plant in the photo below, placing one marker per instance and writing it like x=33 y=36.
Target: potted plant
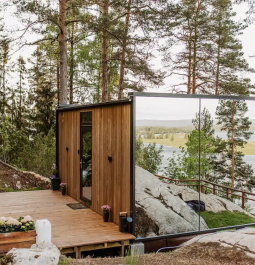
x=55 y=180
x=16 y=232
x=106 y=211
x=63 y=188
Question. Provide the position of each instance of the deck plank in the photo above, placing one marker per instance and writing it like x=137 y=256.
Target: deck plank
x=70 y=228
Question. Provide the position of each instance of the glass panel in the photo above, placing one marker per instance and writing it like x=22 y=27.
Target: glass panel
x=86 y=118
x=227 y=161
x=86 y=160
x=167 y=145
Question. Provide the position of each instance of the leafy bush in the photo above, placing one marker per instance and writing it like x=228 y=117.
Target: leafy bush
x=148 y=157
x=35 y=153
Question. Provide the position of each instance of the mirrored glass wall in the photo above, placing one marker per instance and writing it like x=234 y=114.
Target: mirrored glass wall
x=195 y=164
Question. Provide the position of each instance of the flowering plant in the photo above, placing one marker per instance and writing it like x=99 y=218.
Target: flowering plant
x=106 y=208
x=27 y=223
x=63 y=185
x=9 y=224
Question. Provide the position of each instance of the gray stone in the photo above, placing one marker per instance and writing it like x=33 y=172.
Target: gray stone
x=161 y=207
x=243 y=239
x=212 y=202
x=164 y=211
x=41 y=254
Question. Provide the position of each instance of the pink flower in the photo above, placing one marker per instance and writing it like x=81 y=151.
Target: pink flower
x=106 y=207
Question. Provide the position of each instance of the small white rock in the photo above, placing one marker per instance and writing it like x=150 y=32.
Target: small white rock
x=41 y=254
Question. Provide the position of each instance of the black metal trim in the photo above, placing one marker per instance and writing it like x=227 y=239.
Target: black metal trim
x=57 y=144
x=132 y=163
x=193 y=233
x=169 y=95
x=103 y=104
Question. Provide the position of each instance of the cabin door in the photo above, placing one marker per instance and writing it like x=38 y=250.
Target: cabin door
x=86 y=157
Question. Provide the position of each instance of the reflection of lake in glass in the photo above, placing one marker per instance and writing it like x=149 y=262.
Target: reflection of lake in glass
x=168 y=152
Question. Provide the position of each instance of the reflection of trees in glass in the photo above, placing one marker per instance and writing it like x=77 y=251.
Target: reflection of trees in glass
x=231 y=117
x=87 y=159
x=148 y=157
x=186 y=164
x=220 y=161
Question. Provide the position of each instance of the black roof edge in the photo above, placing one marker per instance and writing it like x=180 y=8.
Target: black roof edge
x=170 y=95
x=102 y=104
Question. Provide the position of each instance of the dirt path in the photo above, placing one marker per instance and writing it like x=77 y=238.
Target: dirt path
x=196 y=254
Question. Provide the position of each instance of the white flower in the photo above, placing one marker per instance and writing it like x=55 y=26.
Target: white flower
x=28 y=218
x=3 y=219
x=13 y=222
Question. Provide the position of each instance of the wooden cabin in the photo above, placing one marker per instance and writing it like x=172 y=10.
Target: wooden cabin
x=94 y=155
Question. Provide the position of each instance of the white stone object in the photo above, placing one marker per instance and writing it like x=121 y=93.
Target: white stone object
x=43 y=231
x=38 y=254
x=137 y=249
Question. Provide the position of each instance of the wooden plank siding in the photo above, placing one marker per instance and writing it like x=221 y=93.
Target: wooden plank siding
x=110 y=137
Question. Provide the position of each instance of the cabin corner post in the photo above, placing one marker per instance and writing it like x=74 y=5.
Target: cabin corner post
x=57 y=142
x=132 y=161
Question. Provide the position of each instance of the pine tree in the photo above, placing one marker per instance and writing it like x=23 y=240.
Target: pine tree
x=43 y=94
x=212 y=60
x=229 y=62
x=231 y=117
x=206 y=122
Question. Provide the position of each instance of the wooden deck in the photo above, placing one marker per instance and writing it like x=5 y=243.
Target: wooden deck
x=72 y=230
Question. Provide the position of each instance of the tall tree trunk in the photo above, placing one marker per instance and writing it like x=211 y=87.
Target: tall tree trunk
x=218 y=66
x=194 y=68
x=233 y=147
x=20 y=92
x=4 y=92
x=58 y=83
x=63 y=52
x=105 y=9
x=123 y=53
x=189 y=66
x=71 y=66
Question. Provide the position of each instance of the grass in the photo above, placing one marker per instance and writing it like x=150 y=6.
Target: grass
x=178 y=141
x=249 y=148
x=226 y=218
x=8 y=189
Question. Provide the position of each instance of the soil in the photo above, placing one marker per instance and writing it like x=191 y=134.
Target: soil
x=196 y=254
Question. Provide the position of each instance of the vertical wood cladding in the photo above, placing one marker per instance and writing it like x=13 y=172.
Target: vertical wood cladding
x=110 y=137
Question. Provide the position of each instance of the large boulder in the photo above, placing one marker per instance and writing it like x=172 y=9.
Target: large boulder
x=212 y=202
x=160 y=210
x=40 y=254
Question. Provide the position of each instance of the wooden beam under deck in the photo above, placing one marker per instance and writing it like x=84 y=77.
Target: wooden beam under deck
x=72 y=230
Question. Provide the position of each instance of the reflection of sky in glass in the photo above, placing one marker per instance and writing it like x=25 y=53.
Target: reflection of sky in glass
x=166 y=108
x=211 y=105
x=149 y=108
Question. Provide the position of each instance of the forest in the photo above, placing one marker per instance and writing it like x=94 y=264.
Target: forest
x=79 y=52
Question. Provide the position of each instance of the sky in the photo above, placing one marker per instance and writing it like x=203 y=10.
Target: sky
x=151 y=108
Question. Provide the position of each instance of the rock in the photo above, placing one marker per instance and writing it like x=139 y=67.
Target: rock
x=18 y=185
x=18 y=179
x=41 y=254
x=243 y=239
x=160 y=210
x=212 y=202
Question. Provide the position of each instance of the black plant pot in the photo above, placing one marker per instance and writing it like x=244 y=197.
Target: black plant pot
x=63 y=191
x=55 y=182
x=105 y=216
